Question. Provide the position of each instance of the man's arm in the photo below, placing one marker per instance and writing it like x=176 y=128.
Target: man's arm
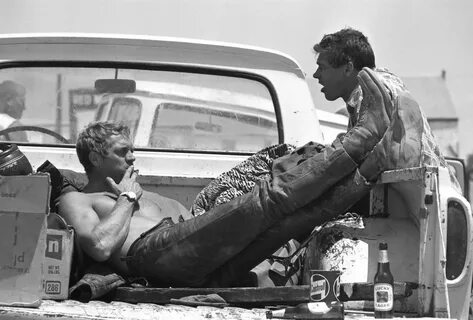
x=101 y=236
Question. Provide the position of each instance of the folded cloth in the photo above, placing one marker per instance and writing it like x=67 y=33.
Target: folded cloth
x=211 y=300
x=96 y=284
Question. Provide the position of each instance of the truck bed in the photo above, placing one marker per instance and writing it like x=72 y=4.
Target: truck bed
x=70 y=309
x=153 y=303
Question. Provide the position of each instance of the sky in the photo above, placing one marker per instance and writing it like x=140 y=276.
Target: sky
x=409 y=37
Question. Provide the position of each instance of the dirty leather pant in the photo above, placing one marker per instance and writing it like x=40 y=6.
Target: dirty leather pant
x=200 y=251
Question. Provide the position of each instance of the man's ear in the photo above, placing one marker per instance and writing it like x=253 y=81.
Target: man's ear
x=95 y=158
x=350 y=68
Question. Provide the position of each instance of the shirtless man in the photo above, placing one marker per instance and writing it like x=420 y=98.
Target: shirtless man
x=103 y=219
x=145 y=234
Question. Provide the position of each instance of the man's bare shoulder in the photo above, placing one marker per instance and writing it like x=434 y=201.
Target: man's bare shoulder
x=74 y=196
x=77 y=195
x=77 y=207
x=73 y=201
x=84 y=199
x=87 y=195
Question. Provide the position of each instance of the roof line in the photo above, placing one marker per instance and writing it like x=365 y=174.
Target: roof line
x=121 y=36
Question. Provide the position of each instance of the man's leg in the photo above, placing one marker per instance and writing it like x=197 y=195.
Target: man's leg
x=187 y=253
x=332 y=203
x=299 y=155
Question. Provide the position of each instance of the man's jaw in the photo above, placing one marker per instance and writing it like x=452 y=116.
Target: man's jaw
x=326 y=94
x=117 y=177
x=323 y=87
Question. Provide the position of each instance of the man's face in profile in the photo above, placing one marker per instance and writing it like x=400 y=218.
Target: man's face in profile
x=332 y=79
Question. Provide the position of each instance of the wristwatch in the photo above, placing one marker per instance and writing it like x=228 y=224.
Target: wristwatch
x=130 y=195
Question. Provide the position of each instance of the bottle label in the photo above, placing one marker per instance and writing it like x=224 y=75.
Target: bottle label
x=318 y=307
x=383 y=297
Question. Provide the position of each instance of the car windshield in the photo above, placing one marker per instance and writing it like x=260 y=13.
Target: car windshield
x=165 y=109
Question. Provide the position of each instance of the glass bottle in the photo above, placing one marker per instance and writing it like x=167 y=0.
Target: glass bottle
x=383 y=285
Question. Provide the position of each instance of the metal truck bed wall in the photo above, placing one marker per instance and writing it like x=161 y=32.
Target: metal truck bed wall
x=428 y=230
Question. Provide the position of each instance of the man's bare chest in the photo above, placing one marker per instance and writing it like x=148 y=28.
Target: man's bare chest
x=105 y=204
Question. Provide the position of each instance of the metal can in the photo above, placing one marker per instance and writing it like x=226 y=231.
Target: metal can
x=324 y=285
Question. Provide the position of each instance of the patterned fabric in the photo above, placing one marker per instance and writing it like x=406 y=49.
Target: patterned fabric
x=238 y=180
x=431 y=154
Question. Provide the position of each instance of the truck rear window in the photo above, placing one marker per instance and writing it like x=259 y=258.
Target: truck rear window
x=165 y=109
x=187 y=127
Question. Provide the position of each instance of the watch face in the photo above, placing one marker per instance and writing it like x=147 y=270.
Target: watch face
x=130 y=195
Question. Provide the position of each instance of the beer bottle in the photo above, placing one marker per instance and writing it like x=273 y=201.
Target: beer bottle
x=383 y=285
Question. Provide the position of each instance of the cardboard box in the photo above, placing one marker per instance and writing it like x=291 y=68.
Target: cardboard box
x=57 y=262
x=24 y=204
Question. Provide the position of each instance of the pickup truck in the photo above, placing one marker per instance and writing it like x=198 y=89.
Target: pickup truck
x=197 y=109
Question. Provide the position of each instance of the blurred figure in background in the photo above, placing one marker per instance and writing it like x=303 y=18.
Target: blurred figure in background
x=12 y=105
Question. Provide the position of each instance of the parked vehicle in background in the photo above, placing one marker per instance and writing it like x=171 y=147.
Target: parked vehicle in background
x=196 y=109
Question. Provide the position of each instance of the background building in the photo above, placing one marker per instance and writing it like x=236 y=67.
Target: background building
x=434 y=97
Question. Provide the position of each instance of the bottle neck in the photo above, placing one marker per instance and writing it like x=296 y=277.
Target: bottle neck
x=383 y=256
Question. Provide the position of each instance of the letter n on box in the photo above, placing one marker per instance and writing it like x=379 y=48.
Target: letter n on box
x=57 y=263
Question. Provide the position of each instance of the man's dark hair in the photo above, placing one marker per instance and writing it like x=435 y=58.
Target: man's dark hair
x=95 y=137
x=347 y=45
